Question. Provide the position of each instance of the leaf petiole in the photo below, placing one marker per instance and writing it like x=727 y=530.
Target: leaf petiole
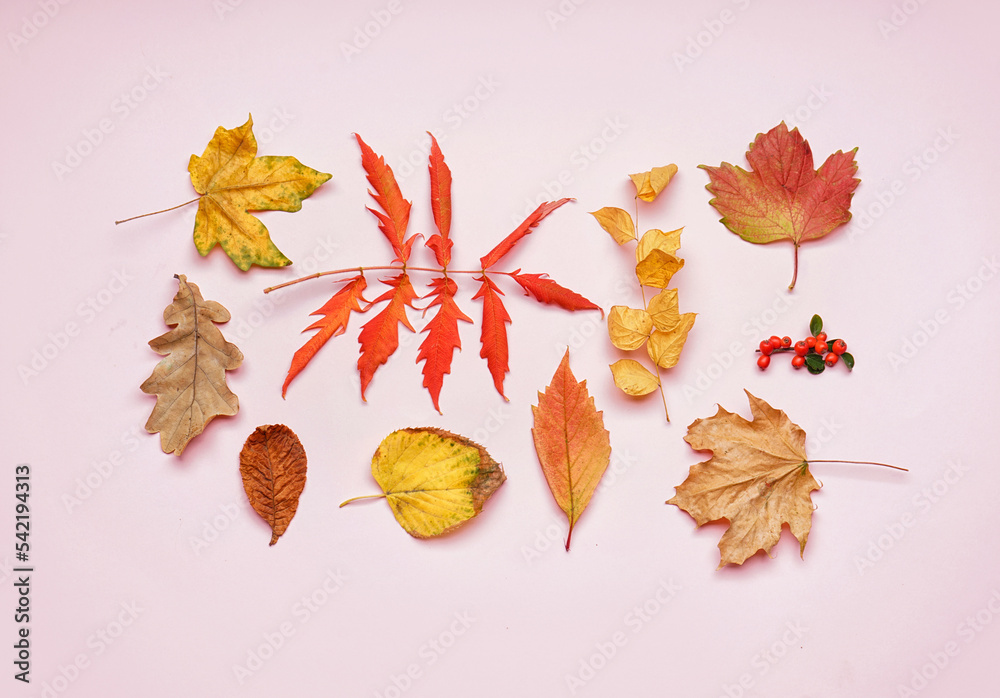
x=143 y=215
x=861 y=462
x=365 y=496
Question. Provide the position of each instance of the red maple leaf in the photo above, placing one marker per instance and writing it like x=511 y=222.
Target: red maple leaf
x=783 y=197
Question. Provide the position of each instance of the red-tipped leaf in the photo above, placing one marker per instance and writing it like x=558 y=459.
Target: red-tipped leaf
x=379 y=336
x=494 y=331
x=507 y=244
x=387 y=195
x=442 y=339
x=440 y=204
x=335 y=314
x=545 y=290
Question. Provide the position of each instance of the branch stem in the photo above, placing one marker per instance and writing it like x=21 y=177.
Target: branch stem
x=439 y=270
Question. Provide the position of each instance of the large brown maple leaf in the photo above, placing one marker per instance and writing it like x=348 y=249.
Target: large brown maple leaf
x=757 y=478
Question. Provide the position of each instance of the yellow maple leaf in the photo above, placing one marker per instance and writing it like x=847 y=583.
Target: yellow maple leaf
x=233 y=181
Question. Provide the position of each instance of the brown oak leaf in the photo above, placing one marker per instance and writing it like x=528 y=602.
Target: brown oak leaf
x=190 y=382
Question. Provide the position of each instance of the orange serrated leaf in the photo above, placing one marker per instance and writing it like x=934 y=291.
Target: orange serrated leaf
x=379 y=336
x=273 y=466
x=335 y=314
x=505 y=246
x=545 y=290
x=783 y=197
x=440 y=204
x=442 y=339
x=572 y=444
x=493 y=335
x=393 y=222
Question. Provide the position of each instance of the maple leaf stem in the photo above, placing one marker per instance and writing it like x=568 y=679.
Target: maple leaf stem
x=143 y=215
x=366 y=496
x=795 y=273
x=861 y=462
x=439 y=270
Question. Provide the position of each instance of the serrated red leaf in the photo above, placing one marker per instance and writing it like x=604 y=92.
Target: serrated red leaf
x=379 y=336
x=440 y=204
x=335 y=314
x=493 y=335
x=545 y=290
x=442 y=339
x=505 y=246
x=393 y=222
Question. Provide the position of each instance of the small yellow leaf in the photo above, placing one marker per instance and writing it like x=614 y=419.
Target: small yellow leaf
x=649 y=184
x=665 y=347
x=657 y=268
x=434 y=480
x=655 y=239
x=628 y=327
x=617 y=222
x=664 y=310
x=633 y=378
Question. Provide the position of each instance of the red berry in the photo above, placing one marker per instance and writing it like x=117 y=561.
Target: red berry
x=798 y=361
x=821 y=347
x=810 y=342
x=764 y=361
x=786 y=341
x=775 y=342
x=765 y=347
x=821 y=337
x=801 y=349
x=839 y=347
x=831 y=359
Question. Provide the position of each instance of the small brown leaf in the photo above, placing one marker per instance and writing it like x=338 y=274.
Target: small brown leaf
x=273 y=466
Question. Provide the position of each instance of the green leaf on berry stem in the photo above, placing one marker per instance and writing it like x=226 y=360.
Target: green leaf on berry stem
x=848 y=360
x=814 y=362
x=815 y=325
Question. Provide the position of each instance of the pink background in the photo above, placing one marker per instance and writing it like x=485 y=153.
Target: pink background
x=897 y=563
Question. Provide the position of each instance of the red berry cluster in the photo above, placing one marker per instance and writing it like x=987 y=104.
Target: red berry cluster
x=813 y=352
